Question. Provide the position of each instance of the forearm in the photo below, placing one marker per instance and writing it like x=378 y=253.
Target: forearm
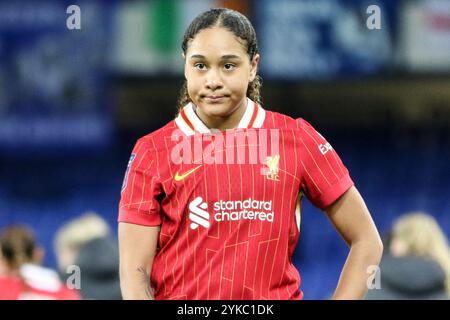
x=353 y=280
x=137 y=248
x=135 y=283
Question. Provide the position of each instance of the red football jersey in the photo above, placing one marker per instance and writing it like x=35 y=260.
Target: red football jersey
x=35 y=283
x=228 y=203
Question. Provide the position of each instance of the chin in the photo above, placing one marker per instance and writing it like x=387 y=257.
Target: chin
x=216 y=109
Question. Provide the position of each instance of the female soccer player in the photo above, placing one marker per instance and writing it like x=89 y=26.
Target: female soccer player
x=210 y=205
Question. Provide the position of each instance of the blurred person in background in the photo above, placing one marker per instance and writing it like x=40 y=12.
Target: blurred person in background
x=21 y=275
x=417 y=265
x=86 y=242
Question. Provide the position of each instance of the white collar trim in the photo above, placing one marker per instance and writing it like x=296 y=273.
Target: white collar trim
x=191 y=123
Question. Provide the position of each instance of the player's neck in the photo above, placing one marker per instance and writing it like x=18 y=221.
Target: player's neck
x=223 y=123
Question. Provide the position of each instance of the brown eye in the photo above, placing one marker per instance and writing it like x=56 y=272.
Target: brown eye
x=229 y=66
x=200 y=66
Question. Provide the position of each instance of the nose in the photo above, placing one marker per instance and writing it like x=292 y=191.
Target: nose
x=213 y=80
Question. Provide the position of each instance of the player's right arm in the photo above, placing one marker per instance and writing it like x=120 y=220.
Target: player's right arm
x=139 y=222
x=137 y=248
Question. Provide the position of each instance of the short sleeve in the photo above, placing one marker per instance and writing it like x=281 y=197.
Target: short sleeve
x=141 y=188
x=324 y=176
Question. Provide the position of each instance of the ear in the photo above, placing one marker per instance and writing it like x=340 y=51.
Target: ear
x=254 y=67
x=183 y=56
x=4 y=269
x=38 y=255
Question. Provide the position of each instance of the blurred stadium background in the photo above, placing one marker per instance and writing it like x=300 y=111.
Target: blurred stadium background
x=73 y=102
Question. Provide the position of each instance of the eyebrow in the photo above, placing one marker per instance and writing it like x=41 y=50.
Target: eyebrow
x=224 y=57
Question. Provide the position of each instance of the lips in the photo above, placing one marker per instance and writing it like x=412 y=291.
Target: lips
x=215 y=98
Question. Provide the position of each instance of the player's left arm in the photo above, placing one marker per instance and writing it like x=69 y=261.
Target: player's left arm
x=353 y=221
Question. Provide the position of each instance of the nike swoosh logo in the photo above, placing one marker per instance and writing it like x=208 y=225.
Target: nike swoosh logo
x=185 y=175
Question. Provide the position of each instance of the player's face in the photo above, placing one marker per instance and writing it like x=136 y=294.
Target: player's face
x=218 y=71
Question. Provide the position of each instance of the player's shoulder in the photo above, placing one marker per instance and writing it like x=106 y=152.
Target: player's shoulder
x=298 y=128
x=282 y=121
x=159 y=139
